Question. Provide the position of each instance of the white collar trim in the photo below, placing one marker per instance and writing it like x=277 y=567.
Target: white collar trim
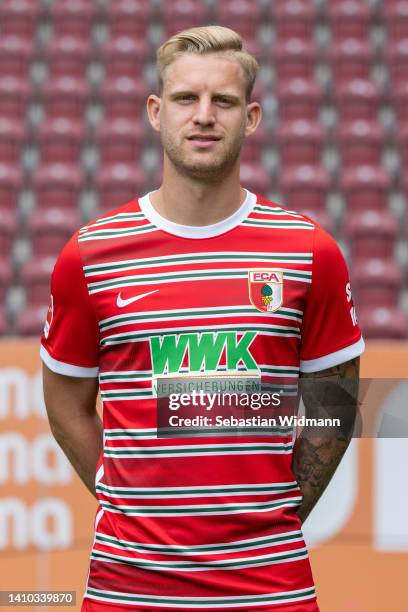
x=198 y=231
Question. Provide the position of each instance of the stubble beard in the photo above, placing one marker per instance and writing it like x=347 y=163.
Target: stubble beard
x=212 y=170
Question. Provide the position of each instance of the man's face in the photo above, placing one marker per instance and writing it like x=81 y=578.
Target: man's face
x=202 y=115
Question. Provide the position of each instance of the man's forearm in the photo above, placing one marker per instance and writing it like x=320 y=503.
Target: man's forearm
x=329 y=393
x=81 y=440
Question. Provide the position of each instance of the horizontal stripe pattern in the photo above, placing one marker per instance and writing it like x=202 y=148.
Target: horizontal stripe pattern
x=203 y=603
x=154 y=433
x=198 y=450
x=104 y=234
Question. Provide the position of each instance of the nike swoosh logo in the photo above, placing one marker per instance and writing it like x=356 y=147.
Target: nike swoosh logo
x=121 y=303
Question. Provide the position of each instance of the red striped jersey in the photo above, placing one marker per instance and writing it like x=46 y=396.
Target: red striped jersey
x=209 y=522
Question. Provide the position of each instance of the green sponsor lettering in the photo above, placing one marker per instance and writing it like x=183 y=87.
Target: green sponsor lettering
x=207 y=348
x=167 y=353
x=239 y=352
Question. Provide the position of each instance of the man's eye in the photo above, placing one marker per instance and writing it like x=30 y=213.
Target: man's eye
x=224 y=101
x=185 y=98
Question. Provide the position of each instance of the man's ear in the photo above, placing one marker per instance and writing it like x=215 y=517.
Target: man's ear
x=153 y=106
x=254 y=116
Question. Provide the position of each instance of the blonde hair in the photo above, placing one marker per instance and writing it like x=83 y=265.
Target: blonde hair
x=204 y=40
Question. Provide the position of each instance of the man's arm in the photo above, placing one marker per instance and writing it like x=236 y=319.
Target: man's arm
x=328 y=393
x=74 y=421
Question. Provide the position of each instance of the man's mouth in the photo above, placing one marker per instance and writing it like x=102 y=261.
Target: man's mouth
x=204 y=137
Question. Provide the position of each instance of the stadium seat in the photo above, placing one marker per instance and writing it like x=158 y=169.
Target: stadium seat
x=397 y=60
x=253 y=146
x=357 y=99
x=3 y=322
x=35 y=275
x=50 y=229
x=178 y=15
x=294 y=57
x=360 y=142
x=399 y=98
x=371 y=234
x=14 y=96
x=255 y=178
x=300 y=142
x=299 y=99
x=350 y=18
x=124 y=97
x=16 y=54
x=60 y=140
x=19 y=17
x=66 y=96
x=73 y=17
x=305 y=187
x=351 y=58
x=8 y=230
x=321 y=217
x=124 y=56
x=383 y=323
x=294 y=18
x=244 y=16
x=11 y=178
x=30 y=320
x=6 y=275
x=129 y=18
x=57 y=185
x=67 y=56
x=118 y=184
x=376 y=281
x=12 y=136
x=396 y=19
x=120 y=140
x=365 y=187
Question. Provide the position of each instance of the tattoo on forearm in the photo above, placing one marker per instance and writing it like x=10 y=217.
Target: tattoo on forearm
x=316 y=457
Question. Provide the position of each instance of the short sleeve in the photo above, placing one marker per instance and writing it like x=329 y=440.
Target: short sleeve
x=70 y=341
x=330 y=332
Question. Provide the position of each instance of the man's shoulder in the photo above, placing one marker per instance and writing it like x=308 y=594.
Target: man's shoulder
x=130 y=211
x=272 y=206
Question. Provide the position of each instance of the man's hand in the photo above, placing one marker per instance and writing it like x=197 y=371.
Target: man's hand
x=74 y=421
x=331 y=393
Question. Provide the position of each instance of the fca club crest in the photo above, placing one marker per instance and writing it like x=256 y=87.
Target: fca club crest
x=266 y=289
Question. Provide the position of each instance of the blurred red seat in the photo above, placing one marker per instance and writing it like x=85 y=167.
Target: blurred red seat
x=118 y=184
x=360 y=142
x=371 y=234
x=73 y=17
x=383 y=323
x=397 y=60
x=50 y=229
x=14 y=96
x=30 y=320
x=129 y=17
x=294 y=18
x=357 y=99
x=350 y=18
x=66 y=96
x=178 y=15
x=294 y=57
x=365 y=187
x=300 y=142
x=8 y=230
x=12 y=135
x=19 y=17
x=253 y=147
x=16 y=53
x=35 y=276
x=351 y=58
x=124 y=97
x=399 y=99
x=299 y=99
x=58 y=185
x=67 y=56
x=3 y=322
x=60 y=140
x=395 y=16
x=120 y=140
x=305 y=187
x=11 y=179
x=6 y=274
x=124 y=56
x=244 y=16
x=376 y=281
x=255 y=178
x=321 y=217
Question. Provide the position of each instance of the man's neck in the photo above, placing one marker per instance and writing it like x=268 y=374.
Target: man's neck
x=191 y=202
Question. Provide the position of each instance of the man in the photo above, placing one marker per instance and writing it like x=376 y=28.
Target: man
x=200 y=276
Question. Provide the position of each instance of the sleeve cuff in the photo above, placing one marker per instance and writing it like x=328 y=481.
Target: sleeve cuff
x=67 y=369
x=332 y=359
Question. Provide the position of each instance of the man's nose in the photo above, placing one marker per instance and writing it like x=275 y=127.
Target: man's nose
x=204 y=113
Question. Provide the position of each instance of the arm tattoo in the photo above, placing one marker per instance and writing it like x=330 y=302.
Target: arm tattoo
x=328 y=393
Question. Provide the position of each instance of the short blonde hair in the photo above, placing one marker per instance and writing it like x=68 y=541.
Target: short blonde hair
x=204 y=40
